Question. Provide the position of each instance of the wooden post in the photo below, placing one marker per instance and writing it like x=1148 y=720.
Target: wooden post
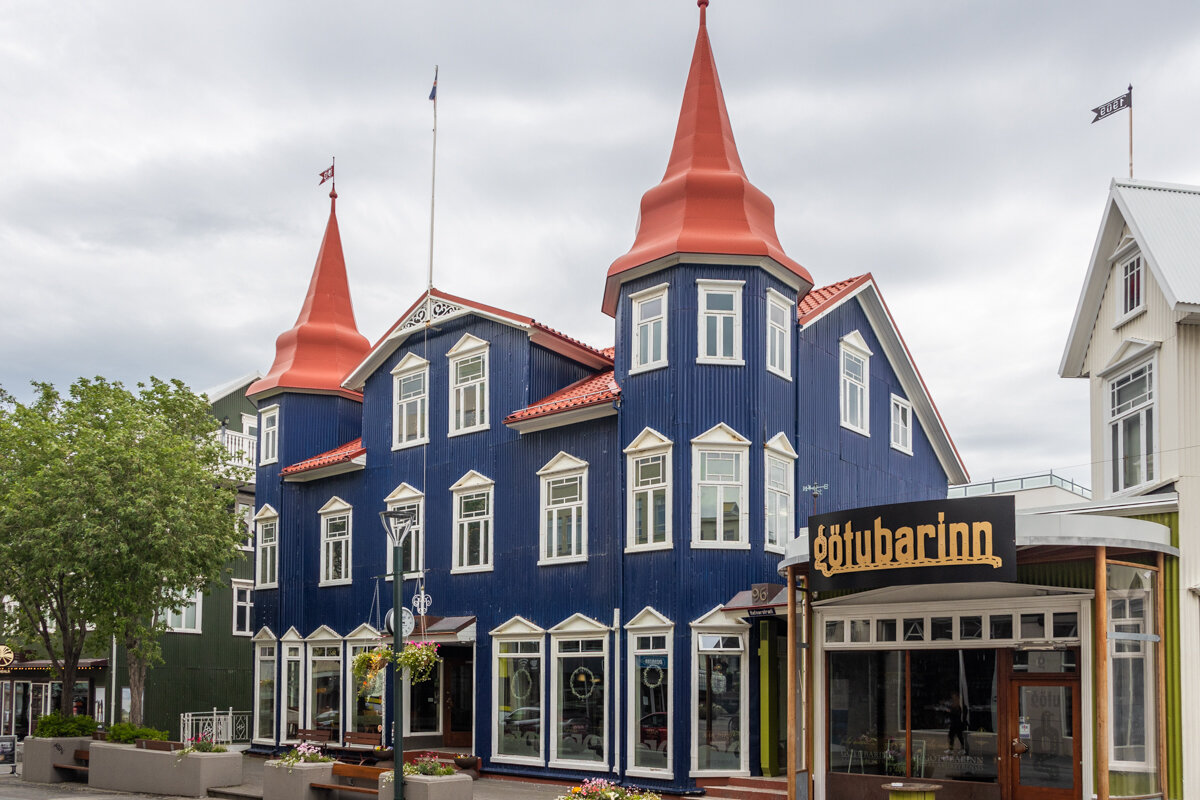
x=790 y=767
x=1160 y=616
x=809 y=728
x=1101 y=688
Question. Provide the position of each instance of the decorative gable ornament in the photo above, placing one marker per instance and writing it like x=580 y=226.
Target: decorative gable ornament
x=780 y=445
x=563 y=462
x=323 y=633
x=472 y=480
x=435 y=310
x=266 y=512
x=579 y=624
x=649 y=619
x=404 y=493
x=467 y=344
x=855 y=340
x=517 y=626
x=648 y=440
x=264 y=635
x=335 y=505
x=722 y=434
x=410 y=363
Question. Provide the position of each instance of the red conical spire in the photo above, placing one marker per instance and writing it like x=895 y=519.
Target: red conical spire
x=705 y=203
x=324 y=344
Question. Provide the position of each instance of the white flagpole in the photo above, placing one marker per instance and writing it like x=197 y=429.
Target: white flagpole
x=432 y=196
x=1131 y=131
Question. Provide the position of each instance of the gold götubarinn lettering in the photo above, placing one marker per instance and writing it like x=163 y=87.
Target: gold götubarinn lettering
x=842 y=549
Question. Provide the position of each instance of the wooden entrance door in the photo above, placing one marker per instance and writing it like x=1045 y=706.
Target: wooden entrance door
x=1043 y=748
x=458 y=698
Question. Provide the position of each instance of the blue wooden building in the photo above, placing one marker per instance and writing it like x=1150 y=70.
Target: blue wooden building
x=589 y=522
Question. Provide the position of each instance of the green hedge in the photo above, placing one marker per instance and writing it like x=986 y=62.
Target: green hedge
x=126 y=733
x=57 y=725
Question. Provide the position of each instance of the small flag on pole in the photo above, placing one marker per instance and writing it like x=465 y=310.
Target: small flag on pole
x=1113 y=106
x=327 y=175
x=433 y=91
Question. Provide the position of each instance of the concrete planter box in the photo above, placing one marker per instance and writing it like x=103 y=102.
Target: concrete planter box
x=291 y=783
x=125 y=768
x=41 y=754
x=436 y=787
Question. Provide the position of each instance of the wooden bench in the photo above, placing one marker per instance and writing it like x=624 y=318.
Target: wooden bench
x=358 y=748
x=317 y=736
x=159 y=745
x=80 y=766
x=351 y=773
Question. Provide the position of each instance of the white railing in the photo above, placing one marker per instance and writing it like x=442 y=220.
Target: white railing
x=220 y=727
x=241 y=447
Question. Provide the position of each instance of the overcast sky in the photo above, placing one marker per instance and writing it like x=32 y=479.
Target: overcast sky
x=160 y=214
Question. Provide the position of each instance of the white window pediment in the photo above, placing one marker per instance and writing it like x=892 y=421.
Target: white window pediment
x=410 y=363
x=563 y=462
x=517 y=626
x=648 y=439
x=472 y=480
x=323 y=633
x=467 y=344
x=264 y=635
x=334 y=506
x=292 y=635
x=579 y=624
x=721 y=434
x=266 y=512
x=855 y=339
x=649 y=619
x=404 y=493
x=1131 y=350
x=718 y=619
x=780 y=445
x=364 y=631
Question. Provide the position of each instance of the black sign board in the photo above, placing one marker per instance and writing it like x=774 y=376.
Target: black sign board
x=8 y=751
x=1113 y=106
x=933 y=541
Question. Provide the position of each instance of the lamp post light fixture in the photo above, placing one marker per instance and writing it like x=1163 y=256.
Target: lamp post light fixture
x=398 y=525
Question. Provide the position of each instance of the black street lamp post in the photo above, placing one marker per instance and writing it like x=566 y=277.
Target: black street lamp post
x=398 y=524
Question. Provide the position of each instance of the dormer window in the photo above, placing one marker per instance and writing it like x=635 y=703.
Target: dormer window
x=649 y=329
x=468 y=385
x=719 y=315
x=269 y=441
x=1133 y=298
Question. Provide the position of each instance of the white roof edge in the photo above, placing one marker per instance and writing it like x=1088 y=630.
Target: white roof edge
x=1071 y=363
x=225 y=389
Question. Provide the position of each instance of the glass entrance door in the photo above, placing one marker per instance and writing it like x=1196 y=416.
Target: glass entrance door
x=1044 y=747
x=21 y=708
x=458 y=698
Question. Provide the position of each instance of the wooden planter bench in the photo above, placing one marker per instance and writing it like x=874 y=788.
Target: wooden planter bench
x=351 y=773
x=159 y=745
x=358 y=748
x=318 y=736
x=80 y=765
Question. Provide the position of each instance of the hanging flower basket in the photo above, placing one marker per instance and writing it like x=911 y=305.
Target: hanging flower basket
x=419 y=658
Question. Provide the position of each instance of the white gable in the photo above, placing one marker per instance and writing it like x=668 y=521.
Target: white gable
x=404 y=493
x=364 y=631
x=323 y=632
x=720 y=619
x=721 y=434
x=467 y=344
x=472 y=480
x=292 y=635
x=517 y=626
x=264 y=635
x=580 y=625
x=266 y=512
x=1131 y=350
x=410 y=363
x=779 y=444
x=648 y=439
x=855 y=339
x=563 y=462
x=335 y=505
x=649 y=618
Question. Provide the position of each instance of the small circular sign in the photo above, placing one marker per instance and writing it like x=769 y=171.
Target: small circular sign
x=6 y=655
x=407 y=621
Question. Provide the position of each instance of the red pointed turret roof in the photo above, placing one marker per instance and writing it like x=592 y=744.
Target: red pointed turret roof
x=705 y=203
x=317 y=353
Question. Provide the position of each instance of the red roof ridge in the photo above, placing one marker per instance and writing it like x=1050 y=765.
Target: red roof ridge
x=704 y=203
x=817 y=300
x=340 y=454
x=324 y=345
x=592 y=390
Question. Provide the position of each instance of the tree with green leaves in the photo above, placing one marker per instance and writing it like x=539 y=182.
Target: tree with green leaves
x=114 y=505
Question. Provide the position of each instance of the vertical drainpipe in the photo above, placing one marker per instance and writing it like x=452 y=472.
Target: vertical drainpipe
x=617 y=671
x=619 y=550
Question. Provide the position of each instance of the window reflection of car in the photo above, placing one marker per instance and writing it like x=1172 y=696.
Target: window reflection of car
x=522 y=720
x=654 y=728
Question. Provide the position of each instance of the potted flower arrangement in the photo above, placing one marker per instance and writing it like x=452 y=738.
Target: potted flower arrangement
x=419 y=658
x=600 y=789
x=427 y=778
x=294 y=771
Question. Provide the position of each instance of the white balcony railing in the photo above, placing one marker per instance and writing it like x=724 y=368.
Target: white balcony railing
x=241 y=447
x=220 y=727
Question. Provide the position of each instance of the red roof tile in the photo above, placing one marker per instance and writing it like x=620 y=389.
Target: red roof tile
x=338 y=455
x=818 y=300
x=597 y=389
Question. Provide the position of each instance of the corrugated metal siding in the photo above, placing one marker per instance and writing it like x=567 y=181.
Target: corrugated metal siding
x=1067 y=574
x=1169 y=221
x=233 y=405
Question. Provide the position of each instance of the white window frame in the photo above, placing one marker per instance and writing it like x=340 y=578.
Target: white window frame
x=1145 y=649
x=778 y=449
x=778 y=352
x=468 y=347
x=247 y=586
x=336 y=509
x=365 y=638
x=1115 y=422
x=648 y=444
x=649 y=622
x=196 y=599
x=562 y=468
x=266 y=549
x=409 y=367
x=1131 y=272
x=467 y=486
x=263 y=641
x=268 y=440
x=901 y=433
x=245 y=513
x=718 y=623
x=292 y=646
x=439 y=675
x=579 y=628
x=640 y=328
x=705 y=287
x=518 y=630
x=405 y=497
x=322 y=637
x=721 y=440
x=853 y=346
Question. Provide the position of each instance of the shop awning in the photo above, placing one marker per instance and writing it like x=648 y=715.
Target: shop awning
x=764 y=600
x=443 y=630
